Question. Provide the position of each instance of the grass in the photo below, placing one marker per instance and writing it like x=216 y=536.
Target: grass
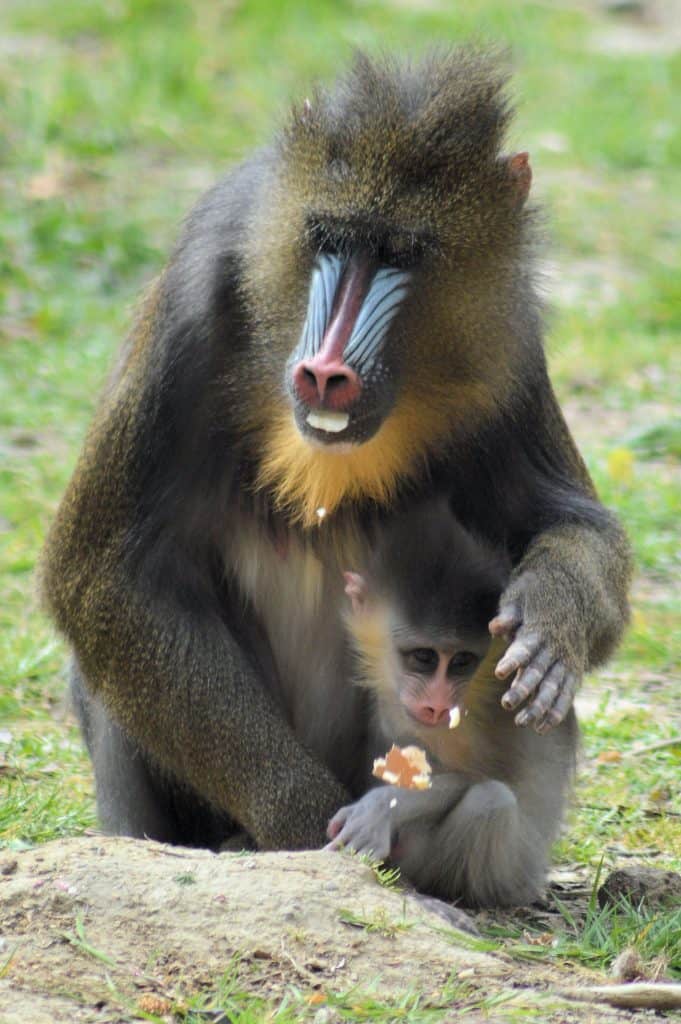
x=243 y=1007
x=113 y=118
x=600 y=936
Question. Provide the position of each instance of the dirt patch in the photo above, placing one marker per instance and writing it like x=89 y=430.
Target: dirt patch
x=91 y=926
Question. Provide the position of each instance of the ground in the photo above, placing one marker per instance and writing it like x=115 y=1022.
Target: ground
x=105 y=930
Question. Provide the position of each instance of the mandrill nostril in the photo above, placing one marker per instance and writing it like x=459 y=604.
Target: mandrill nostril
x=333 y=384
x=431 y=714
x=336 y=381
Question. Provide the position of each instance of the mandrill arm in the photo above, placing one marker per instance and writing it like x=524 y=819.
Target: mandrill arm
x=565 y=613
x=170 y=666
x=565 y=607
x=134 y=577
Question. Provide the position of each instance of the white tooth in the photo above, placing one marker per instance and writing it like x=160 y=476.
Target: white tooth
x=331 y=422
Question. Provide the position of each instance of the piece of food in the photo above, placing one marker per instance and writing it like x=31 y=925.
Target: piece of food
x=454 y=717
x=406 y=767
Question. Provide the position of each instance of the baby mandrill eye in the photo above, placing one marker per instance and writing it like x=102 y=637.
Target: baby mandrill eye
x=462 y=660
x=421 y=659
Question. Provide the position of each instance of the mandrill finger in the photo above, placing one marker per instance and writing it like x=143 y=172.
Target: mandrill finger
x=342 y=838
x=555 y=715
x=549 y=688
x=354 y=843
x=519 y=655
x=337 y=822
x=507 y=620
x=527 y=680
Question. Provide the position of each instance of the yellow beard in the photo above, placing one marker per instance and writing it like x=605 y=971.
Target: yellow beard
x=303 y=478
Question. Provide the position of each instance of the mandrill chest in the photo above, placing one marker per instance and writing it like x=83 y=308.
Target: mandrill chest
x=297 y=592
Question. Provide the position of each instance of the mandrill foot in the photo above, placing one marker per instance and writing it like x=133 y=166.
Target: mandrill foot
x=452 y=915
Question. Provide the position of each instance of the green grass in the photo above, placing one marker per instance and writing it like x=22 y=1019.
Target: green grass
x=113 y=118
x=601 y=937
x=241 y=1006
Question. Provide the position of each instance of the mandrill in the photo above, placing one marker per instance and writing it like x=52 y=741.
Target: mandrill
x=419 y=623
x=347 y=325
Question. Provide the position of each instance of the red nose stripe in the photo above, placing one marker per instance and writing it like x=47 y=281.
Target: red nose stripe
x=326 y=379
x=352 y=291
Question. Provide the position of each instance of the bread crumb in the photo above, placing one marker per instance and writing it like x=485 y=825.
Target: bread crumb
x=406 y=767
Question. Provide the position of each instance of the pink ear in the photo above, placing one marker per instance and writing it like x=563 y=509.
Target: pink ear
x=356 y=589
x=520 y=173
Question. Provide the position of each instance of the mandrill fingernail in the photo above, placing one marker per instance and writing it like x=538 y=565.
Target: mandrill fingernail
x=504 y=668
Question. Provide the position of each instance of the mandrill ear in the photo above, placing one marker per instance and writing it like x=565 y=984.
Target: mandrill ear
x=356 y=589
x=519 y=174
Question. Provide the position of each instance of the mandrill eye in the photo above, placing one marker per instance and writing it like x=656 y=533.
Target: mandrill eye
x=421 y=659
x=325 y=237
x=402 y=252
x=461 y=661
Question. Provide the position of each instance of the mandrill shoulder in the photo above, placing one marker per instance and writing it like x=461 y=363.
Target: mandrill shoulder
x=210 y=250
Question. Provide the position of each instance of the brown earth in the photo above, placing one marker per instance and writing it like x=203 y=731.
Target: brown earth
x=100 y=929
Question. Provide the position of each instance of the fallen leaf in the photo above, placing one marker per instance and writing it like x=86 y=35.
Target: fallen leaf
x=609 y=757
x=532 y=939
x=150 y=1003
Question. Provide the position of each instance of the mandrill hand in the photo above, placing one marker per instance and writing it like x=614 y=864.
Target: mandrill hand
x=365 y=826
x=546 y=675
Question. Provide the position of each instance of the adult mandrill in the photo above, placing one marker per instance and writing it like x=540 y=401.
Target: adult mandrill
x=348 y=323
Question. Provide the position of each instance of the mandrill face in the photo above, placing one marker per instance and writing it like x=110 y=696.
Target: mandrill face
x=380 y=262
x=341 y=376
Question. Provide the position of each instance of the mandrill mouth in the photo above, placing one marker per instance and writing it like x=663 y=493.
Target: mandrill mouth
x=335 y=370
x=328 y=421
x=342 y=429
